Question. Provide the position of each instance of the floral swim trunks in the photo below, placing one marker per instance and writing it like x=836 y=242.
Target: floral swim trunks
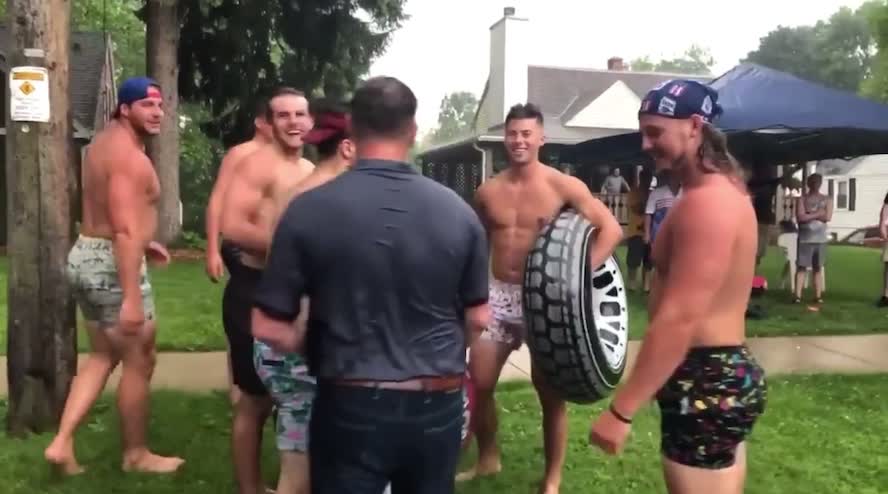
x=507 y=324
x=710 y=405
x=292 y=390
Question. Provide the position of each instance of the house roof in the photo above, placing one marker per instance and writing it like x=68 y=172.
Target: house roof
x=87 y=59
x=838 y=166
x=557 y=133
x=564 y=91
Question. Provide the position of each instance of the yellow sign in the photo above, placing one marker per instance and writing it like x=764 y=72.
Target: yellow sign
x=27 y=88
x=29 y=94
x=28 y=76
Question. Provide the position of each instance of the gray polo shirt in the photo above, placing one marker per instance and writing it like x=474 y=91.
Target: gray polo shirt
x=389 y=259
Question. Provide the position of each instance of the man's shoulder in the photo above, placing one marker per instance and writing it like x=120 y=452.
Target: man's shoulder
x=240 y=150
x=258 y=165
x=563 y=183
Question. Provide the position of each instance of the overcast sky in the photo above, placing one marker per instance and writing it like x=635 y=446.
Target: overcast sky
x=444 y=46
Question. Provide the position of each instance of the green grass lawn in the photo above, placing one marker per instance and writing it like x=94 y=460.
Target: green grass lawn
x=189 y=313
x=853 y=285
x=819 y=434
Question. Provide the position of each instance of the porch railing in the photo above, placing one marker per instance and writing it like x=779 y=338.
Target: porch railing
x=619 y=206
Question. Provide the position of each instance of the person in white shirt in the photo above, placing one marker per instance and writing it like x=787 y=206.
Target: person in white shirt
x=614 y=183
x=883 y=232
x=659 y=202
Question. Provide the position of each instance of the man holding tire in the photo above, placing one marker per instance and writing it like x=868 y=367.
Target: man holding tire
x=694 y=360
x=514 y=206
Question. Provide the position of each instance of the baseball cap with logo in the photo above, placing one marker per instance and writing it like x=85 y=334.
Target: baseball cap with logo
x=681 y=99
x=135 y=89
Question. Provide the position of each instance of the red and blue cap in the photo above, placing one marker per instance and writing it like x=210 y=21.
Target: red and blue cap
x=135 y=89
x=678 y=98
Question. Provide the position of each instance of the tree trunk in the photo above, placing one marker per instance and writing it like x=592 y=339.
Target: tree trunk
x=41 y=323
x=162 y=43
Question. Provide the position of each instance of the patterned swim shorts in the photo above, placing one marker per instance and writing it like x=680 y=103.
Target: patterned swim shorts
x=292 y=390
x=507 y=324
x=710 y=405
x=92 y=273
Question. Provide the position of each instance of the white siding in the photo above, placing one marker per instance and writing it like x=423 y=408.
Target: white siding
x=869 y=196
x=872 y=165
x=870 y=186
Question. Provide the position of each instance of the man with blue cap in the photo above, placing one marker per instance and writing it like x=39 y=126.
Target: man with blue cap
x=108 y=274
x=694 y=359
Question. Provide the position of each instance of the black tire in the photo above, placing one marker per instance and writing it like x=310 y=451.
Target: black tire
x=577 y=320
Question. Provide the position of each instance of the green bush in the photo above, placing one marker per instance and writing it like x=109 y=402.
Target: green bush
x=199 y=160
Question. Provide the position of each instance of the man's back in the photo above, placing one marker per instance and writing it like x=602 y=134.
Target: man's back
x=385 y=274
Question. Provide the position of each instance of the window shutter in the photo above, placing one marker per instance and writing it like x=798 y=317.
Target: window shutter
x=852 y=193
x=830 y=184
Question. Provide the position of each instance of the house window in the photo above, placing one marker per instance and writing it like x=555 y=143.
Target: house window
x=843 y=192
x=842 y=195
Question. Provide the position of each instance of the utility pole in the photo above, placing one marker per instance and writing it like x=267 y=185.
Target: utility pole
x=162 y=54
x=41 y=324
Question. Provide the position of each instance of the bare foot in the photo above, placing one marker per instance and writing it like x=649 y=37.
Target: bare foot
x=481 y=469
x=548 y=489
x=149 y=462
x=60 y=455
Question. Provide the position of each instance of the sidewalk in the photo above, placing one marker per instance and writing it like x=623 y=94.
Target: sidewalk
x=820 y=354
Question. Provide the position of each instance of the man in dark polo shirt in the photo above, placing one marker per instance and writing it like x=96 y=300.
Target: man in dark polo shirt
x=395 y=268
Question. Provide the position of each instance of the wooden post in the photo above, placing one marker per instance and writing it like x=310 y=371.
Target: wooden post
x=162 y=44
x=41 y=320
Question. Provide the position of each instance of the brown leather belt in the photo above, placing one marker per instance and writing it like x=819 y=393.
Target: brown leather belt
x=443 y=383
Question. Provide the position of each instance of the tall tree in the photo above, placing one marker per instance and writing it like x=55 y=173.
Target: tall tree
x=231 y=53
x=876 y=86
x=41 y=318
x=455 y=116
x=162 y=43
x=836 y=52
x=696 y=60
x=117 y=18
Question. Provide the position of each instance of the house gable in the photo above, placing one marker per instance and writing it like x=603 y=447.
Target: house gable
x=615 y=108
x=566 y=91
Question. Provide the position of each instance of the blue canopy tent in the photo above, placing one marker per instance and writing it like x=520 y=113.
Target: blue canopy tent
x=771 y=118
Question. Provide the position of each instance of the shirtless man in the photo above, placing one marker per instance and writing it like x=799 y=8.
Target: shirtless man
x=694 y=360
x=285 y=375
x=108 y=275
x=227 y=255
x=247 y=221
x=216 y=256
x=513 y=206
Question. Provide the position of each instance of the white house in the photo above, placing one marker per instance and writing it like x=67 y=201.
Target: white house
x=577 y=103
x=858 y=188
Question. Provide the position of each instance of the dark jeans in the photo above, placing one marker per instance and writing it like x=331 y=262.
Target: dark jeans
x=364 y=438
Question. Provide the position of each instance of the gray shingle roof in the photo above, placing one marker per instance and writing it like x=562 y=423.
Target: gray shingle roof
x=556 y=133
x=565 y=91
x=87 y=60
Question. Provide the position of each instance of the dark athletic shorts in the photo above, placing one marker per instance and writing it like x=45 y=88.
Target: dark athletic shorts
x=710 y=405
x=237 y=304
x=637 y=253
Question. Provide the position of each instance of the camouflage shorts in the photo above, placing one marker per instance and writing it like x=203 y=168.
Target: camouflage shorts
x=94 y=280
x=286 y=378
